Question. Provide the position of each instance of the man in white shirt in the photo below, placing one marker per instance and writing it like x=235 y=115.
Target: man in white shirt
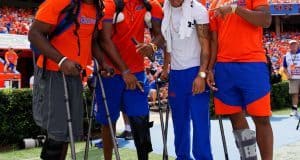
x=185 y=28
x=291 y=65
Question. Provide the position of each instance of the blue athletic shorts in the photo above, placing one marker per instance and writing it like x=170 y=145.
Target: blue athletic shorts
x=135 y=102
x=242 y=86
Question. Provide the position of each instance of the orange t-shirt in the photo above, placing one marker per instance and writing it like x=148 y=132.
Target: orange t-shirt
x=12 y=57
x=238 y=40
x=66 y=42
x=133 y=25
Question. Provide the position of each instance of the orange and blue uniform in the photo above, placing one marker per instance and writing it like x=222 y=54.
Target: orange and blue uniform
x=132 y=26
x=66 y=42
x=241 y=73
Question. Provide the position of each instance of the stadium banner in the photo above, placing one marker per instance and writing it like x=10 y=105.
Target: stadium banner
x=285 y=9
x=14 y=41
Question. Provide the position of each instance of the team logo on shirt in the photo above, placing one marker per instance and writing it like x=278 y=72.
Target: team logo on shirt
x=87 y=20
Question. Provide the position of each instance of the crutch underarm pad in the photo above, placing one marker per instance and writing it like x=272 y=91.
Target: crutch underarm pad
x=246 y=143
x=52 y=149
x=140 y=127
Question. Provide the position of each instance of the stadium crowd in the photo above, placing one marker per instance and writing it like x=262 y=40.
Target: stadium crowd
x=278 y=46
x=15 y=21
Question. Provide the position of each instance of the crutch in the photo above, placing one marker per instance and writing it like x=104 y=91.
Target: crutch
x=69 y=119
x=223 y=137
x=166 y=130
x=107 y=111
x=164 y=126
x=298 y=124
x=90 y=120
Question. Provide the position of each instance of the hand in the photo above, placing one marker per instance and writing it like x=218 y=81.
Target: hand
x=289 y=76
x=70 y=68
x=210 y=80
x=198 y=85
x=106 y=70
x=222 y=11
x=164 y=75
x=131 y=82
x=144 y=49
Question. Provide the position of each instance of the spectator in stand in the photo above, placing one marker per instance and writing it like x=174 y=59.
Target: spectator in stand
x=291 y=64
x=11 y=60
x=16 y=21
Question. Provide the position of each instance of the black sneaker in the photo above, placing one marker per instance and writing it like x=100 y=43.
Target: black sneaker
x=122 y=135
x=126 y=135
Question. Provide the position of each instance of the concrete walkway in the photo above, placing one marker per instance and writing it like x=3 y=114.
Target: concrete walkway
x=286 y=138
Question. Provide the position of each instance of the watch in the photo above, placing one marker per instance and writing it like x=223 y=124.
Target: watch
x=202 y=74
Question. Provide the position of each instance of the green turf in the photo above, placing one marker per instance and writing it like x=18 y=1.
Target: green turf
x=94 y=154
x=284 y=111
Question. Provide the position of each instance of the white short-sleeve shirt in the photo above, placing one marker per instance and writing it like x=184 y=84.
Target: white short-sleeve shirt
x=186 y=52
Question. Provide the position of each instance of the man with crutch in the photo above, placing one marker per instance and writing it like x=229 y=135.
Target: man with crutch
x=185 y=29
x=57 y=91
x=129 y=87
x=241 y=72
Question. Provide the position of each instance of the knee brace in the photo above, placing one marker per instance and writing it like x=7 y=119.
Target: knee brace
x=246 y=143
x=53 y=149
x=140 y=127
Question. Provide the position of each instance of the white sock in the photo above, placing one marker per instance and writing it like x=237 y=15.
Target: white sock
x=127 y=128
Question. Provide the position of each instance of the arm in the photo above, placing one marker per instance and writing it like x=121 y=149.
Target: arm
x=157 y=41
x=106 y=43
x=37 y=36
x=108 y=46
x=98 y=54
x=5 y=57
x=285 y=71
x=204 y=38
x=260 y=16
x=167 y=60
x=213 y=51
x=156 y=33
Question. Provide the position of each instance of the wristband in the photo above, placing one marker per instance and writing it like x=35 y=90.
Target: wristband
x=62 y=61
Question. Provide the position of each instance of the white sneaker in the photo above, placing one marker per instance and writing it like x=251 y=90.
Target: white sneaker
x=294 y=113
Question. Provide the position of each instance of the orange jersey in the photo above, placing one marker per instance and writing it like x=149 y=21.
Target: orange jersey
x=238 y=40
x=12 y=57
x=133 y=25
x=66 y=42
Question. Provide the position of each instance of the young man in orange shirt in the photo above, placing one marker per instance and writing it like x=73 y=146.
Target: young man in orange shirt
x=129 y=87
x=241 y=72
x=67 y=53
x=11 y=60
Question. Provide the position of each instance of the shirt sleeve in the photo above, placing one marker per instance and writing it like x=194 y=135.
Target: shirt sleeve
x=284 y=62
x=49 y=11
x=109 y=11
x=256 y=3
x=156 y=11
x=200 y=13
